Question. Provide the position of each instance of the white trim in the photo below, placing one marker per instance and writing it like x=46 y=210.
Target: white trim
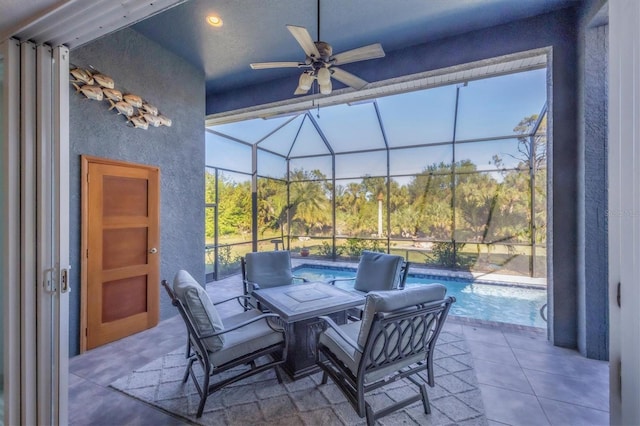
x=624 y=210
x=11 y=245
x=28 y=231
x=76 y=22
x=46 y=263
x=60 y=214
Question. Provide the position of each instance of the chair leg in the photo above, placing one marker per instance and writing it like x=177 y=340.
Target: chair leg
x=425 y=399
x=278 y=374
x=324 y=377
x=371 y=418
x=205 y=393
x=186 y=372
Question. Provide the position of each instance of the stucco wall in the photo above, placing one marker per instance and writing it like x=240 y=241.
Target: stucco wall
x=140 y=66
x=593 y=313
x=556 y=30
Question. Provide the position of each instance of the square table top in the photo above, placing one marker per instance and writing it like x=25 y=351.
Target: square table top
x=303 y=301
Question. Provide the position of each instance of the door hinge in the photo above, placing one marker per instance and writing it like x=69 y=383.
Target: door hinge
x=618 y=297
x=87 y=177
x=86 y=332
x=87 y=253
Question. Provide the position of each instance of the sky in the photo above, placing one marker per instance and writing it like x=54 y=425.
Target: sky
x=486 y=108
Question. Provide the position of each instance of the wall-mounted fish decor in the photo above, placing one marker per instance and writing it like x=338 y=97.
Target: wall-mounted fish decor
x=90 y=91
x=81 y=75
x=122 y=108
x=149 y=109
x=134 y=100
x=154 y=120
x=112 y=94
x=138 y=122
x=98 y=86
x=164 y=120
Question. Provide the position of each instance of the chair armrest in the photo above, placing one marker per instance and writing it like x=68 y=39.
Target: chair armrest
x=333 y=281
x=243 y=324
x=250 y=286
x=328 y=321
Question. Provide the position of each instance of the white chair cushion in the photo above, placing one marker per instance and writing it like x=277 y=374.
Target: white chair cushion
x=197 y=302
x=245 y=340
x=378 y=271
x=390 y=301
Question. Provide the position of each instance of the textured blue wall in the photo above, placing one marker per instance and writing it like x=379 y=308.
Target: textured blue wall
x=593 y=280
x=140 y=66
x=556 y=30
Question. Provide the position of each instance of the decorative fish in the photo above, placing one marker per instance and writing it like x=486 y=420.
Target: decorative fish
x=122 y=108
x=112 y=94
x=150 y=109
x=165 y=121
x=104 y=81
x=138 y=122
x=90 y=91
x=134 y=100
x=154 y=120
x=81 y=76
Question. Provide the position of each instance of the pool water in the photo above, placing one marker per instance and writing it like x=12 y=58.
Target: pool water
x=474 y=299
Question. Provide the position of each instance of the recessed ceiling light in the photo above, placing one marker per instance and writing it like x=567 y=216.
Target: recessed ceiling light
x=214 y=20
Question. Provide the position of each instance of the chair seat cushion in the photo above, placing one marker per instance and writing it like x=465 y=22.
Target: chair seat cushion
x=245 y=340
x=390 y=301
x=198 y=305
x=347 y=353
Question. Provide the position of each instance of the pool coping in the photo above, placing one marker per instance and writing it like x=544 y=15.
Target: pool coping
x=445 y=275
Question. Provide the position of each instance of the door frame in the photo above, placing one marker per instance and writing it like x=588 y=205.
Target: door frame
x=84 y=234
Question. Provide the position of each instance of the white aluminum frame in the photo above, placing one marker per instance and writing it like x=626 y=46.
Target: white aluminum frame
x=10 y=50
x=624 y=210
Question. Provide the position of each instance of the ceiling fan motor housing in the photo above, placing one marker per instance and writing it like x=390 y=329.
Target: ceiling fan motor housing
x=325 y=50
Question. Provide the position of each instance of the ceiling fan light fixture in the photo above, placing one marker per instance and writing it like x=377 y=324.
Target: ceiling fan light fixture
x=324 y=76
x=305 y=82
x=325 y=89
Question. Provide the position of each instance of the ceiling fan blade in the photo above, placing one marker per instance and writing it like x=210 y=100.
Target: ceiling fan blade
x=347 y=78
x=363 y=53
x=300 y=91
x=264 y=65
x=304 y=39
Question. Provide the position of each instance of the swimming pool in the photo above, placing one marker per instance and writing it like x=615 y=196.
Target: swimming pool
x=474 y=299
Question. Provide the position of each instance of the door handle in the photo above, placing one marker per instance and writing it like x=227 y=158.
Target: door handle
x=153 y=250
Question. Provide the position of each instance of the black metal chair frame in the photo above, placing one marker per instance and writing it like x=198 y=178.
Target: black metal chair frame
x=383 y=327
x=196 y=351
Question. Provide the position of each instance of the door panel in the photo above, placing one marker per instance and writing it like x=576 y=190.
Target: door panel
x=121 y=218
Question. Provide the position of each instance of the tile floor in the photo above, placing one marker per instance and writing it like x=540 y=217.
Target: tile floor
x=524 y=380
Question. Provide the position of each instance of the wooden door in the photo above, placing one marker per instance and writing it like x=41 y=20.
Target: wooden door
x=120 y=246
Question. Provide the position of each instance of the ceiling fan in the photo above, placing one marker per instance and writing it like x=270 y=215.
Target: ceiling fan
x=320 y=62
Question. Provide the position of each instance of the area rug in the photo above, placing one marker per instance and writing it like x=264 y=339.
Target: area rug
x=260 y=399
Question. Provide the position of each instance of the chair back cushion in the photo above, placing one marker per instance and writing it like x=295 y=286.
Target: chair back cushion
x=198 y=305
x=378 y=271
x=269 y=268
x=391 y=301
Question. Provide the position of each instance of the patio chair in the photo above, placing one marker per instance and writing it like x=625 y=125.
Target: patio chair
x=395 y=340
x=252 y=339
x=266 y=269
x=378 y=271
